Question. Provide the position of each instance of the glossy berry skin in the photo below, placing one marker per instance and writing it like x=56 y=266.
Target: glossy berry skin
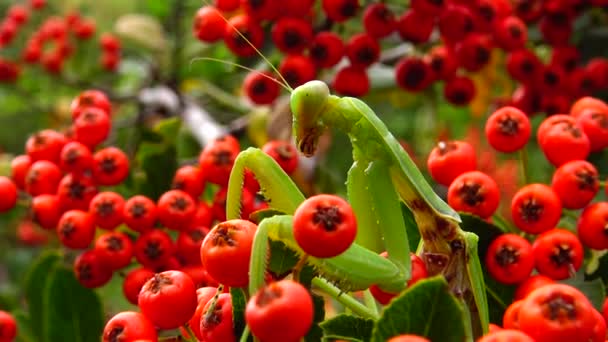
x=92 y=270
x=459 y=90
x=297 y=70
x=564 y=142
x=20 y=165
x=413 y=74
x=42 y=178
x=326 y=49
x=216 y=161
x=107 y=209
x=261 y=88
x=340 y=10
x=8 y=327
x=90 y=98
x=362 y=50
x=408 y=338
x=508 y=129
x=91 y=127
x=190 y=180
x=524 y=66
x=510 y=319
x=209 y=25
x=217 y=326
x=189 y=243
x=585 y=103
x=45 y=145
x=46 y=211
x=378 y=20
x=455 y=22
x=76 y=192
x=286 y=304
x=557 y=312
x=506 y=335
x=111 y=166
x=556 y=252
x=129 y=326
x=474 y=192
x=168 y=299
x=175 y=209
x=292 y=35
x=415 y=27
x=442 y=62
x=592 y=226
x=536 y=208
x=219 y=204
x=450 y=159
x=284 y=153
x=419 y=272
x=226 y=252
x=153 y=249
x=509 y=259
x=247 y=27
x=351 y=81
x=474 y=52
x=76 y=229
x=595 y=126
x=8 y=194
x=324 y=226
x=134 y=281
x=76 y=158
x=576 y=183
x=511 y=33
x=532 y=283
x=116 y=249
x=204 y=294
x=139 y=213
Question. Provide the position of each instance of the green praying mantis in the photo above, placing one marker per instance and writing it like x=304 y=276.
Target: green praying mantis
x=381 y=177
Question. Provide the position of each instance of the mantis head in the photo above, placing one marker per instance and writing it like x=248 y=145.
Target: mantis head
x=307 y=104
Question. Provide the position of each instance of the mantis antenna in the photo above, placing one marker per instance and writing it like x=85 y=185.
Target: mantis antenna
x=284 y=82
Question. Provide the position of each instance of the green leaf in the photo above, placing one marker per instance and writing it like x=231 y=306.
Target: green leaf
x=72 y=313
x=238 y=310
x=426 y=309
x=35 y=284
x=413 y=234
x=347 y=327
x=186 y=145
x=169 y=129
x=282 y=259
x=594 y=289
x=315 y=333
x=486 y=231
x=158 y=161
x=24 y=327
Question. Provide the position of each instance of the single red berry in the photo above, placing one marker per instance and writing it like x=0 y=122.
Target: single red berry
x=552 y=78
x=261 y=87
x=362 y=50
x=109 y=43
x=297 y=8
x=598 y=69
x=567 y=57
x=261 y=9
x=284 y=153
x=594 y=123
x=204 y=294
x=556 y=28
x=175 y=209
x=20 y=165
x=227 y=5
x=351 y=81
x=511 y=335
x=292 y=35
x=76 y=192
x=91 y=127
x=198 y=274
x=242 y=34
x=134 y=281
x=8 y=194
x=111 y=166
x=45 y=145
x=219 y=204
x=585 y=103
x=18 y=13
x=510 y=319
x=8 y=327
x=527 y=99
x=168 y=299
x=153 y=249
x=511 y=33
x=474 y=51
x=524 y=66
x=76 y=158
x=203 y=216
x=558 y=253
x=76 y=229
x=459 y=90
x=340 y=10
x=85 y=29
x=508 y=129
x=450 y=159
x=442 y=62
x=455 y=22
x=129 y=326
x=43 y=177
x=107 y=209
x=216 y=324
x=324 y=226
x=592 y=226
x=576 y=183
x=474 y=192
x=92 y=270
x=509 y=259
x=286 y=304
x=430 y=7
x=116 y=249
x=189 y=243
x=297 y=70
x=413 y=74
x=532 y=283
x=90 y=98
x=46 y=211
x=209 y=24
x=378 y=20
x=326 y=49
x=528 y=10
x=415 y=27
x=408 y=338
x=190 y=180
x=419 y=272
x=139 y=213
x=564 y=142
x=536 y=208
x=109 y=61
x=226 y=252
x=216 y=161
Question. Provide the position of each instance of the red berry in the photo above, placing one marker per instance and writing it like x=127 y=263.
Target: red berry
x=297 y=70
x=430 y=7
x=442 y=62
x=474 y=52
x=168 y=299
x=190 y=180
x=91 y=127
x=351 y=81
x=129 y=326
x=459 y=90
x=284 y=153
x=84 y=29
x=216 y=325
x=592 y=226
x=557 y=253
x=139 y=213
x=563 y=142
x=8 y=194
x=324 y=226
x=227 y=5
x=175 y=209
x=576 y=183
x=76 y=158
x=536 y=208
x=45 y=145
x=379 y=21
x=153 y=249
x=450 y=159
x=508 y=129
x=8 y=327
x=209 y=24
x=189 y=244
x=107 y=209
x=594 y=123
x=419 y=272
x=216 y=161
x=46 y=211
x=511 y=335
x=20 y=165
x=134 y=281
x=413 y=74
x=415 y=27
x=261 y=9
x=92 y=270
x=76 y=192
x=261 y=87
x=455 y=22
x=90 y=98
x=474 y=192
x=111 y=166
x=292 y=35
x=286 y=304
x=340 y=10
x=326 y=49
x=243 y=26
x=42 y=178
x=524 y=66
x=76 y=229
x=509 y=259
x=109 y=43
x=532 y=283
x=511 y=33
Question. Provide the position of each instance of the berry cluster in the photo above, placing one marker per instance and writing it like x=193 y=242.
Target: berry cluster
x=52 y=43
x=469 y=31
x=536 y=240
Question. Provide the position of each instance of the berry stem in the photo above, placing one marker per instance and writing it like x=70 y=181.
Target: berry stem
x=245 y=335
x=297 y=269
x=344 y=299
x=191 y=336
x=523 y=160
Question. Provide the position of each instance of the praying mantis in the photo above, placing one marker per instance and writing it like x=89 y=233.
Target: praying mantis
x=381 y=177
